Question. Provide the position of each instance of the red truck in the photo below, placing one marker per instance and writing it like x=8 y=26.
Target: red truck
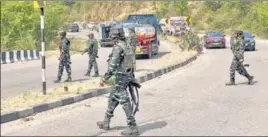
x=146 y=28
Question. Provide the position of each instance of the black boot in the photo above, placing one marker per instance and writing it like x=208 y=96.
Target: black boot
x=105 y=124
x=232 y=82
x=69 y=79
x=132 y=129
x=250 y=79
x=58 y=80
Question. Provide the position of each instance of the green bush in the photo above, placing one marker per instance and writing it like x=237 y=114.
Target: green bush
x=190 y=41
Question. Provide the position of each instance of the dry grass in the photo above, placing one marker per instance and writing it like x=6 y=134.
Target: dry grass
x=36 y=97
x=171 y=39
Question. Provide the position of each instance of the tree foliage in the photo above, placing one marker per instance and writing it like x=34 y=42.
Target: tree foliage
x=20 y=24
x=229 y=16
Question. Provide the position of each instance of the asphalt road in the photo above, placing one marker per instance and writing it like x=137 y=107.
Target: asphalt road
x=189 y=101
x=20 y=77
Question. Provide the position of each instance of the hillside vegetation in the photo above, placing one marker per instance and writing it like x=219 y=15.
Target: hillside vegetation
x=20 y=22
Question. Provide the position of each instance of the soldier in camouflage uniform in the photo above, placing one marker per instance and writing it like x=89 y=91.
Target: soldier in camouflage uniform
x=92 y=50
x=120 y=65
x=132 y=41
x=64 y=59
x=238 y=48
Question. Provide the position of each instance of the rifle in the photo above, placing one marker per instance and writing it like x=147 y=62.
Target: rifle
x=134 y=95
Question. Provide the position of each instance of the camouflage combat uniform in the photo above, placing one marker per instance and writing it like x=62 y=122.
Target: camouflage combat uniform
x=238 y=48
x=65 y=59
x=92 y=50
x=118 y=63
x=132 y=41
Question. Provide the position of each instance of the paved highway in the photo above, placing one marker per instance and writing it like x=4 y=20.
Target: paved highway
x=189 y=101
x=24 y=76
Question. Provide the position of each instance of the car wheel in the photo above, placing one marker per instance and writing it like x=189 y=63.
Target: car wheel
x=253 y=49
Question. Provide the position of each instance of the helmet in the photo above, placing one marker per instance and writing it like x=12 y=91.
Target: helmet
x=62 y=33
x=239 y=32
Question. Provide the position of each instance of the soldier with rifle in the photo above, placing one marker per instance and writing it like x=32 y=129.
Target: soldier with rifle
x=125 y=89
x=64 y=59
x=92 y=50
x=238 y=48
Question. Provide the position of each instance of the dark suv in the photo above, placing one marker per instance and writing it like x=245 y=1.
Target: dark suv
x=74 y=28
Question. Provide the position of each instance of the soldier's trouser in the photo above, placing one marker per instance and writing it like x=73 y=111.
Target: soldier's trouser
x=239 y=67
x=64 y=63
x=120 y=95
x=93 y=63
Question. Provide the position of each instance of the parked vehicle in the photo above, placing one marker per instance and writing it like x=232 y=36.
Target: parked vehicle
x=250 y=41
x=148 y=36
x=177 y=29
x=176 y=25
x=74 y=28
x=213 y=39
x=146 y=28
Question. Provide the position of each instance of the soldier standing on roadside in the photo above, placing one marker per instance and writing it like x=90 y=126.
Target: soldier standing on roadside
x=132 y=41
x=121 y=65
x=238 y=48
x=64 y=59
x=92 y=50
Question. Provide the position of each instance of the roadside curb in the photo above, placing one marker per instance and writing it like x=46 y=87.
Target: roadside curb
x=11 y=116
x=19 y=55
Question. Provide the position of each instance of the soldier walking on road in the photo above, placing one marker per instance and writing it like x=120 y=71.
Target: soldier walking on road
x=238 y=48
x=120 y=65
x=132 y=41
x=64 y=59
x=92 y=50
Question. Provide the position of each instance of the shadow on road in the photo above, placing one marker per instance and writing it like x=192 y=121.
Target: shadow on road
x=216 y=48
x=80 y=80
x=88 y=78
x=246 y=83
x=152 y=126
x=142 y=128
x=159 y=55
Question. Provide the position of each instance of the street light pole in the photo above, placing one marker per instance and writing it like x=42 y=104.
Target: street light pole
x=43 y=49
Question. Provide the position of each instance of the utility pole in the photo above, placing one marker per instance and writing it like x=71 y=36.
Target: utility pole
x=40 y=4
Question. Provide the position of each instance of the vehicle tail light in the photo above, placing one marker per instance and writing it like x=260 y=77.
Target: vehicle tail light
x=208 y=41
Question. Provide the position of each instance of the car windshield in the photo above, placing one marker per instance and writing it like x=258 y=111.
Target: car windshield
x=215 y=34
x=142 y=19
x=247 y=35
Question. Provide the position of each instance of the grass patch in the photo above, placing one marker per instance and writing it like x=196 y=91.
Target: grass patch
x=31 y=98
x=172 y=39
